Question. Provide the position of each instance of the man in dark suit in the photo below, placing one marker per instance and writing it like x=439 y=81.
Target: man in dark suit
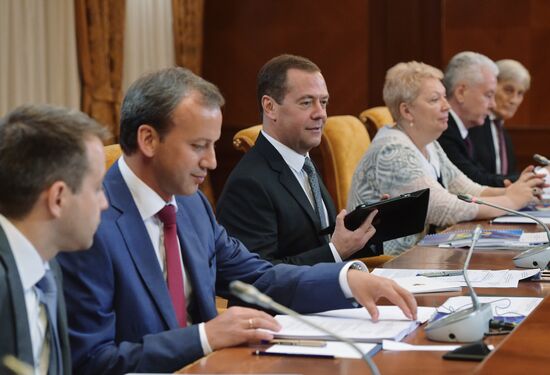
x=51 y=167
x=143 y=299
x=492 y=143
x=268 y=202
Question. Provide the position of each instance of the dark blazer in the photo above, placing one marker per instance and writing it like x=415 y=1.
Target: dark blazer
x=454 y=146
x=264 y=206
x=485 y=154
x=15 y=336
x=121 y=317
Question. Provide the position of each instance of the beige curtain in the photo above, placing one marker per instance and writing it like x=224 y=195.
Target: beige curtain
x=38 y=62
x=148 y=38
x=100 y=32
x=188 y=33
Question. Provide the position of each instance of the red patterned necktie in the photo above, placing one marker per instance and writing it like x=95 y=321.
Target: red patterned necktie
x=173 y=263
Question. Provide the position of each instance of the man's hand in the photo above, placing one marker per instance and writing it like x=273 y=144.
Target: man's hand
x=348 y=242
x=367 y=289
x=238 y=325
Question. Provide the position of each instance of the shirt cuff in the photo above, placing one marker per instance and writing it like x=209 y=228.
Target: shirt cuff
x=343 y=276
x=335 y=253
x=206 y=349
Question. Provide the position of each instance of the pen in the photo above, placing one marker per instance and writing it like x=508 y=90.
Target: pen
x=313 y=343
x=264 y=353
x=440 y=273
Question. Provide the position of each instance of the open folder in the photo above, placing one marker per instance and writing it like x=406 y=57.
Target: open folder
x=397 y=217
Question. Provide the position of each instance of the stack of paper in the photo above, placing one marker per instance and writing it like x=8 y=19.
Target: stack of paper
x=354 y=324
x=544 y=216
x=478 y=278
x=490 y=239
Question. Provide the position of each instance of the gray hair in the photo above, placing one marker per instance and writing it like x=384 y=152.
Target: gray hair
x=512 y=70
x=466 y=67
x=152 y=99
x=403 y=82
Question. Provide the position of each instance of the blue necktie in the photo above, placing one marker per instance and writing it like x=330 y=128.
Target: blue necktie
x=47 y=294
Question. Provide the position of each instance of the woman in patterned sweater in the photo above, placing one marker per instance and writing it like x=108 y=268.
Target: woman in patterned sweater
x=407 y=157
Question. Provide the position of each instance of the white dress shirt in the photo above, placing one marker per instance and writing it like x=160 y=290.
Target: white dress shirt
x=31 y=268
x=149 y=203
x=459 y=124
x=496 y=144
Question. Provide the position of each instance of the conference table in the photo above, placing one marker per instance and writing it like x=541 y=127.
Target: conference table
x=523 y=350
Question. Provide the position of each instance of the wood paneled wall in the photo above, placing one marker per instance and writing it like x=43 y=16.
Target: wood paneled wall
x=354 y=42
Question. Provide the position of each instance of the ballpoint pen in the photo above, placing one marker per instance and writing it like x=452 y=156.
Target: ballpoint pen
x=263 y=353
x=312 y=343
x=440 y=273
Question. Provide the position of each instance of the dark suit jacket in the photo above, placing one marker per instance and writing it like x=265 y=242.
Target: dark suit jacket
x=264 y=206
x=15 y=336
x=485 y=154
x=121 y=317
x=457 y=152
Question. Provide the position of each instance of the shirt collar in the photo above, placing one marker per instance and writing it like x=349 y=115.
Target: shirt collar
x=148 y=202
x=294 y=160
x=461 y=128
x=29 y=263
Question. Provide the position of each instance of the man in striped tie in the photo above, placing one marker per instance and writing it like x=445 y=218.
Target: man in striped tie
x=51 y=169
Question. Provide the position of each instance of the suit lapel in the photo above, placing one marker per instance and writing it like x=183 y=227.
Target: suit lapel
x=139 y=244
x=286 y=177
x=22 y=332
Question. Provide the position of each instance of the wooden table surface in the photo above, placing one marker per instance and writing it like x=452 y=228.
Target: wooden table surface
x=523 y=349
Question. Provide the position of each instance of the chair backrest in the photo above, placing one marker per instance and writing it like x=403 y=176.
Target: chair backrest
x=376 y=117
x=245 y=138
x=344 y=141
x=113 y=152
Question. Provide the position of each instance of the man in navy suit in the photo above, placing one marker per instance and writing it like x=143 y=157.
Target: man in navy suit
x=51 y=168
x=125 y=311
x=268 y=201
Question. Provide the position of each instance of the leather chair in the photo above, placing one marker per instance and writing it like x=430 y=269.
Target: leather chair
x=113 y=152
x=344 y=142
x=376 y=117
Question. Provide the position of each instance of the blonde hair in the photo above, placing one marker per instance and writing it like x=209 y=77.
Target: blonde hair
x=403 y=82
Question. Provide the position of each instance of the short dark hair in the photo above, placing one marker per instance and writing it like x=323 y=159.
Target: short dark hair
x=39 y=145
x=153 y=97
x=271 y=79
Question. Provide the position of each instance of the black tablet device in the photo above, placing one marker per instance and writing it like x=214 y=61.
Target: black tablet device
x=397 y=217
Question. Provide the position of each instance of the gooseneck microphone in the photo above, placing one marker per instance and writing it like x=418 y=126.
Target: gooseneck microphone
x=466 y=325
x=250 y=294
x=536 y=257
x=541 y=159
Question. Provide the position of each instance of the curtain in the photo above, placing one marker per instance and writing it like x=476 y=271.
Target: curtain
x=188 y=33
x=38 y=62
x=100 y=32
x=148 y=38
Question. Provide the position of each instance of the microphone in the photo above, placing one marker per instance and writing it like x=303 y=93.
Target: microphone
x=466 y=325
x=541 y=159
x=250 y=294
x=536 y=257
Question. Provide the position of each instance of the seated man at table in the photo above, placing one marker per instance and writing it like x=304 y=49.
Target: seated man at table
x=274 y=201
x=143 y=299
x=51 y=168
x=492 y=143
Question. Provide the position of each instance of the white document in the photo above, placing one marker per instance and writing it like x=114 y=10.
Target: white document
x=401 y=346
x=333 y=348
x=543 y=216
x=478 y=278
x=422 y=284
x=534 y=237
x=354 y=324
x=386 y=313
x=501 y=305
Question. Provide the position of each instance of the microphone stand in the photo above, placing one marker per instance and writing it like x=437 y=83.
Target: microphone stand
x=463 y=325
x=250 y=294
x=536 y=257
